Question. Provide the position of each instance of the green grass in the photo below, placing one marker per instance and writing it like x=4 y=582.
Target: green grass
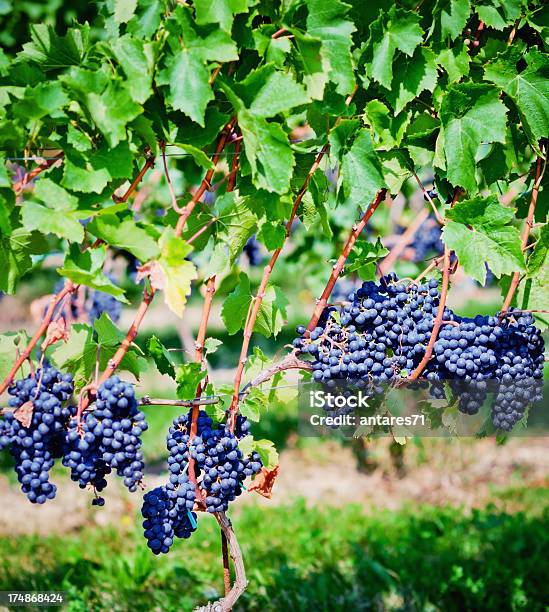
x=301 y=559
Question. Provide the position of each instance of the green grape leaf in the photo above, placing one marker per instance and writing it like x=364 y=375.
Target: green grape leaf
x=411 y=76
x=453 y=15
x=188 y=377
x=396 y=30
x=387 y=129
x=529 y=89
x=267 y=451
x=77 y=355
x=124 y=10
x=272 y=235
x=219 y=11
x=211 y=345
x=455 y=61
x=125 y=235
x=272 y=312
x=267 y=151
x=470 y=114
x=361 y=170
x=327 y=21
x=491 y=17
x=137 y=61
x=479 y=233
x=253 y=405
x=51 y=51
x=62 y=223
x=532 y=294
x=160 y=355
x=538 y=258
x=112 y=110
x=236 y=305
x=270 y=92
x=107 y=332
x=15 y=258
x=363 y=255
x=188 y=79
x=313 y=67
x=85 y=268
x=238 y=224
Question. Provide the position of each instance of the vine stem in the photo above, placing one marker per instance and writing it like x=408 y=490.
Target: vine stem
x=240 y=583
x=206 y=181
x=69 y=287
x=199 y=353
x=439 y=316
x=173 y=197
x=149 y=163
x=226 y=563
x=126 y=343
x=403 y=241
x=429 y=198
x=289 y=362
x=515 y=280
x=441 y=306
x=434 y=264
x=258 y=299
x=19 y=186
x=338 y=267
x=150 y=401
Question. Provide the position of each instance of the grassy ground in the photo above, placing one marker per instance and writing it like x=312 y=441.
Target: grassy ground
x=301 y=558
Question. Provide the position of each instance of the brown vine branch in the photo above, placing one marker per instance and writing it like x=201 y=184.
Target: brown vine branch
x=226 y=563
x=515 y=280
x=289 y=362
x=20 y=185
x=441 y=306
x=206 y=181
x=149 y=163
x=403 y=241
x=226 y=603
x=338 y=267
x=126 y=343
x=173 y=197
x=69 y=287
x=438 y=319
x=434 y=264
x=429 y=198
x=152 y=401
x=257 y=300
x=279 y=33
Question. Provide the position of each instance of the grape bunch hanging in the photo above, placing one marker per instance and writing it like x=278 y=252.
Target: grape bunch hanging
x=220 y=469
x=44 y=426
x=379 y=336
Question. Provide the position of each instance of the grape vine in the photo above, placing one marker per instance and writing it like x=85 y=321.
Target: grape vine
x=250 y=157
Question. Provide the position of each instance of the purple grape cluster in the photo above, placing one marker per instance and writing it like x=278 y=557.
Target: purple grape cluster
x=101 y=302
x=111 y=438
x=427 y=239
x=252 y=249
x=220 y=469
x=224 y=466
x=379 y=335
x=35 y=447
x=157 y=525
x=96 y=304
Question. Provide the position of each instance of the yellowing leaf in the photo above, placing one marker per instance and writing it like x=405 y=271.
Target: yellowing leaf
x=177 y=272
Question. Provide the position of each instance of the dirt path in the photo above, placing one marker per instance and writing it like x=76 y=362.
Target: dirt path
x=464 y=473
